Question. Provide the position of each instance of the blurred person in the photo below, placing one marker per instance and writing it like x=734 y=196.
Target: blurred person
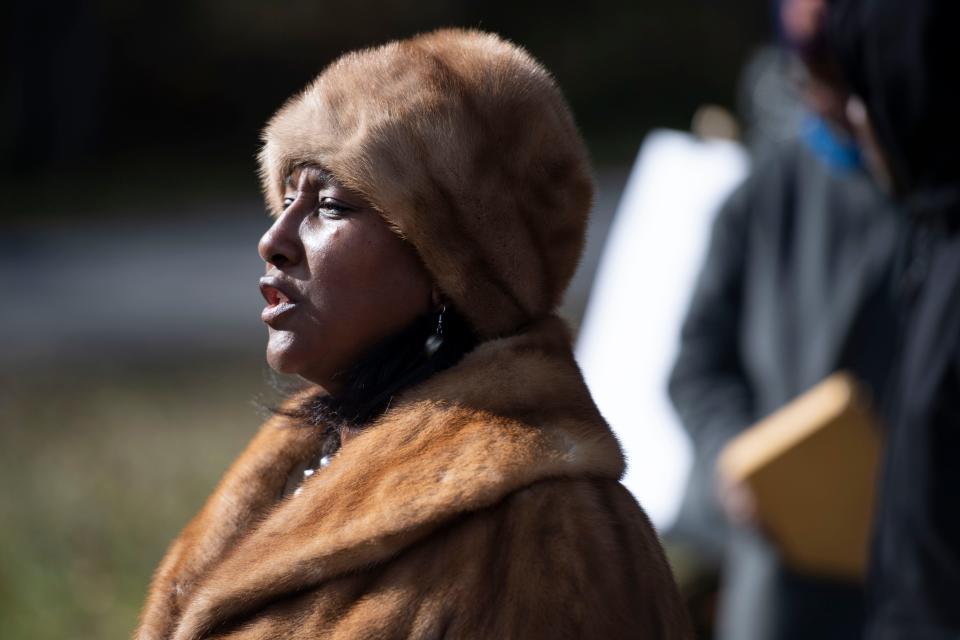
x=446 y=473
x=795 y=286
x=900 y=59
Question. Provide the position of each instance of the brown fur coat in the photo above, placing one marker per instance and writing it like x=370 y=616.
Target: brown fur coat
x=484 y=504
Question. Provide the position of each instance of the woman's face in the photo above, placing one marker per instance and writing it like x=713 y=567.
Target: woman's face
x=338 y=279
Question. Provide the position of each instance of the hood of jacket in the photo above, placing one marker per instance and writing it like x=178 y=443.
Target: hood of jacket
x=898 y=55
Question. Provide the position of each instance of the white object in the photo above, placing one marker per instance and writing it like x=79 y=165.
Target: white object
x=630 y=331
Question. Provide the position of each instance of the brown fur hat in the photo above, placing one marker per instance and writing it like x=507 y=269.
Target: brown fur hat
x=466 y=146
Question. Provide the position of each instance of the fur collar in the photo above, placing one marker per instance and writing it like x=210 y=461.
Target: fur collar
x=511 y=413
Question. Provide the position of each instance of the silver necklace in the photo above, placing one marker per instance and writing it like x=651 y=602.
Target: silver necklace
x=323 y=463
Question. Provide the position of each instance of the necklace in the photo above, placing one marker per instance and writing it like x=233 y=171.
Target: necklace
x=294 y=484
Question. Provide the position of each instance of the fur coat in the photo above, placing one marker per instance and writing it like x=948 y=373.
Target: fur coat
x=484 y=503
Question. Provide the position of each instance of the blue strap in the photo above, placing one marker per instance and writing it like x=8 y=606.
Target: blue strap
x=839 y=153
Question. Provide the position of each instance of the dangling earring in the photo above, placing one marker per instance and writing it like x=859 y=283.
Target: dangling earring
x=436 y=339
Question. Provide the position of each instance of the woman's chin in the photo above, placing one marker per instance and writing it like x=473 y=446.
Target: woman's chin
x=288 y=356
x=282 y=353
x=281 y=366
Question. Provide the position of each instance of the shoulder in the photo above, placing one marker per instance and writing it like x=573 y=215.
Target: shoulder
x=562 y=557
x=590 y=522
x=775 y=169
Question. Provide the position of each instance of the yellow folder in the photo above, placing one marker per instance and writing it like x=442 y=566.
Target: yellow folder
x=812 y=469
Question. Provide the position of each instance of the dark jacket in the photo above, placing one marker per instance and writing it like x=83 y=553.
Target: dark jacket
x=900 y=56
x=915 y=573
x=795 y=285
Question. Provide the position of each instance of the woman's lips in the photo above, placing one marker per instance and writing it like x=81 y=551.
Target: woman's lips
x=279 y=301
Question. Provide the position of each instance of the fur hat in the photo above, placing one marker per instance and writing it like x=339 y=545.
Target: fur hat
x=464 y=143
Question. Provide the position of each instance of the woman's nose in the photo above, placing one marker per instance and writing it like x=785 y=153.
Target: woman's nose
x=280 y=245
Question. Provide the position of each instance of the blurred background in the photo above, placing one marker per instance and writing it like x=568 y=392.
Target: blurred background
x=131 y=367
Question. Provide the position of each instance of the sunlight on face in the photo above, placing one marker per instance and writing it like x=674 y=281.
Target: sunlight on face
x=338 y=279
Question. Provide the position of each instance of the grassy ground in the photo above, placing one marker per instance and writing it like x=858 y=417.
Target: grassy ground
x=99 y=472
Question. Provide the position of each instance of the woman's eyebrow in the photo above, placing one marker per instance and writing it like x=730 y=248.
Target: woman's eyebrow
x=323 y=177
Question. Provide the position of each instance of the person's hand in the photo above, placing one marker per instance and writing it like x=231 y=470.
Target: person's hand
x=738 y=502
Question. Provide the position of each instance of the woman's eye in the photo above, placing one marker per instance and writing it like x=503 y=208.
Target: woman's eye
x=332 y=208
x=288 y=201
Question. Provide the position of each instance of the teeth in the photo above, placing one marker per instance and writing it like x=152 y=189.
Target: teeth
x=274 y=296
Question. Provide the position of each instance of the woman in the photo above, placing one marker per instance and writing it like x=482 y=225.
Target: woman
x=446 y=474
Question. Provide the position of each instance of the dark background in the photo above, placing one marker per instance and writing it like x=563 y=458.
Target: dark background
x=112 y=100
